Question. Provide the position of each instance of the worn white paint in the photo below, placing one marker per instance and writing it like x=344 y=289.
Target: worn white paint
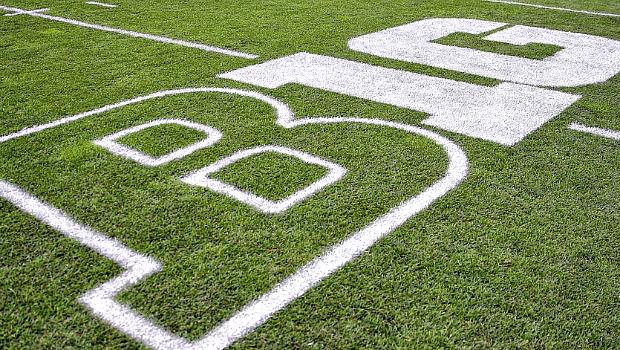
x=505 y=113
x=606 y=133
x=101 y=299
x=202 y=178
x=25 y=12
x=605 y=14
x=102 y=4
x=111 y=144
x=157 y=38
x=584 y=59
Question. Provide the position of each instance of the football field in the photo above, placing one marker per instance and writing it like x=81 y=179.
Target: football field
x=310 y=174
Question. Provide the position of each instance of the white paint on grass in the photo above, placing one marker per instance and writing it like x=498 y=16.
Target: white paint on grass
x=110 y=142
x=606 y=133
x=583 y=60
x=340 y=254
x=25 y=12
x=554 y=8
x=505 y=113
x=38 y=128
x=101 y=299
x=102 y=4
x=157 y=38
x=201 y=178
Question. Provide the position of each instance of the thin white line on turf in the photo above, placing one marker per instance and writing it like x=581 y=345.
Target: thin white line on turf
x=101 y=4
x=24 y=12
x=101 y=301
x=134 y=34
x=554 y=8
x=62 y=121
x=201 y=178
x=110 y=142
x=610 y=134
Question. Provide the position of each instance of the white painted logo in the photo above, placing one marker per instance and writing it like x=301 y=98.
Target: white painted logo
x=505 y=114
x=101 y=300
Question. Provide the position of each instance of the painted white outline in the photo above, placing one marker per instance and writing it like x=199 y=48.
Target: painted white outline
x=101 y=299
x=157 y=38
x=26 y=12
x=110 y=142
x=201 y=178
x=102 y=4
x=606 y=133
x=553 y=8
x=38 y=128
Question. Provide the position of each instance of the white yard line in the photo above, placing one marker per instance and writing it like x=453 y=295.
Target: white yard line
x=130 y=33
x=101 y=4
x=26 y=12
x=606 y=133
x=554 y=8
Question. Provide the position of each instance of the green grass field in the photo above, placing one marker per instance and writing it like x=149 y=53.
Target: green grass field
x=524 y=253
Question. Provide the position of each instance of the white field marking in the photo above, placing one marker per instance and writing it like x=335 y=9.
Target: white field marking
x=101 y=301
x=554 y=8
x=583 y=60
x=610 y=134
x=101 y=4
x=157 y=38
x=505 y=113
x=110 y=143
x=66 y=120
x=201 y=178
x=24 y=12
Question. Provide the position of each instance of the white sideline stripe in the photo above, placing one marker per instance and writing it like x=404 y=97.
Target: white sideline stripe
x=100 y=4
x=132 y=34
x=100 y=300
x=554 y=8
x=610 y=134
x=26 y=12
